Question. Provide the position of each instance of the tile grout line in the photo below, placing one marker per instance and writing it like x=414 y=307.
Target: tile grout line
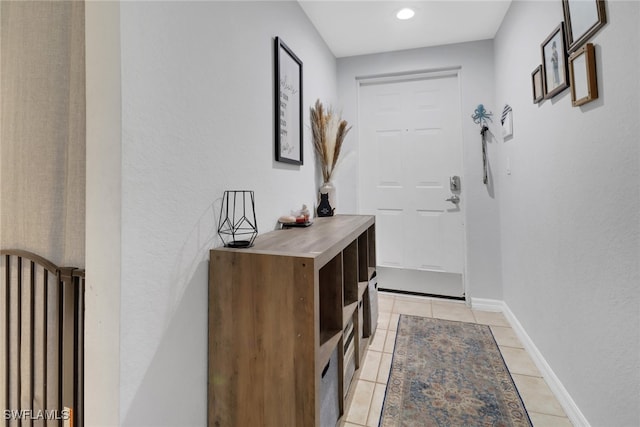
x=366 y=420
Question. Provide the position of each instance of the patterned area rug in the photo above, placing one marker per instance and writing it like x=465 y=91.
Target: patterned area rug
x=449 y=374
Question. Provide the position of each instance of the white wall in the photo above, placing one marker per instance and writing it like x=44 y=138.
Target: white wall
x=477 y=87
x=570 y=211
x=197 y=119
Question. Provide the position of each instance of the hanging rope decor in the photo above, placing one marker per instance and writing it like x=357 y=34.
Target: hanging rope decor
x=480 y=116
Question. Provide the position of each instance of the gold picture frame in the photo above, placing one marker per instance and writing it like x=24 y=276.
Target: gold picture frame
x=582 y=75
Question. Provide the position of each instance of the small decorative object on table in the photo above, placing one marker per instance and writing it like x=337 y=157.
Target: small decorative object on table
x=328 y=131
x=324 y=208
x=237 y=226
x=480 y=116
x=299 y=218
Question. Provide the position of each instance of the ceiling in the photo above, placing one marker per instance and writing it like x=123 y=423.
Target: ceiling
x=358 y=27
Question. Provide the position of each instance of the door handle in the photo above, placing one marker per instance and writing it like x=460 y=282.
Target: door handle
x=454 y=199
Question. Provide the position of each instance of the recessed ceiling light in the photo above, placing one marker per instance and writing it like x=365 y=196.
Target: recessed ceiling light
x=405 y=14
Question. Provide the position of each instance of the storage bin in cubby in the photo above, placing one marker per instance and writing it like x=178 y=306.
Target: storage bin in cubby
x=350 y=340
x=329 y=392
x=371 y=307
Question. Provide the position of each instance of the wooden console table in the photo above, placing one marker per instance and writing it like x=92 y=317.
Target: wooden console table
x=290 y=320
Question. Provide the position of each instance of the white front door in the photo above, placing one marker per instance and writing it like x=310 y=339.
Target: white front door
x=410 y=147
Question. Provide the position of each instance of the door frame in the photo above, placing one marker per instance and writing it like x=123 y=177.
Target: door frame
x=412 y=76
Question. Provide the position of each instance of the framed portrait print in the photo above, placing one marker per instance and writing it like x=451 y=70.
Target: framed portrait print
x=288 y=104
x=582 y=72
x=536 y=84
x=554 y=63
x=583 y=18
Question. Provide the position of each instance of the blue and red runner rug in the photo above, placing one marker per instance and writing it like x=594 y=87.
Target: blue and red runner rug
x=447 y=374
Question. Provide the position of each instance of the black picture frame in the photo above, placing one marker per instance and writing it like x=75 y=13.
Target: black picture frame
x=537 y=85
x=554 y=63
x=583 y=18
x=288 y=105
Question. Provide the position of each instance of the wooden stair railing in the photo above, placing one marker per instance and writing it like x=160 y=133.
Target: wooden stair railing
x=41 y=341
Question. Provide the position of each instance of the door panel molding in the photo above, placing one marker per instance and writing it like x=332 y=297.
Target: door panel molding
x=408 y=76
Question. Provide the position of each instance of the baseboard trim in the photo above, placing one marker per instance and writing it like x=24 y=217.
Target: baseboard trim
x=487 y=304
x=574 y=414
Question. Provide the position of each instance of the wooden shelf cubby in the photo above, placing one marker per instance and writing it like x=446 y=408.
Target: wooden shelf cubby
x=280 y=313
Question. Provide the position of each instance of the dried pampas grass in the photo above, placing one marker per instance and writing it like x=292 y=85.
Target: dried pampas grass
x=328 y=131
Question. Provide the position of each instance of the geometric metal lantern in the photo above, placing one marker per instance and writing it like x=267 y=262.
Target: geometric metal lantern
x=237 y=225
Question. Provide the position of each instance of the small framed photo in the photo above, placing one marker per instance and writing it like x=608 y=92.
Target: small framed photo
x=583 y=18
x=582 y=71
x=288 y=104
x=554 y=63
x=536 y=85
x=507 y=121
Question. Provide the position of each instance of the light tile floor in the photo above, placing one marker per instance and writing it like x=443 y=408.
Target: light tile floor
x=371 y=381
